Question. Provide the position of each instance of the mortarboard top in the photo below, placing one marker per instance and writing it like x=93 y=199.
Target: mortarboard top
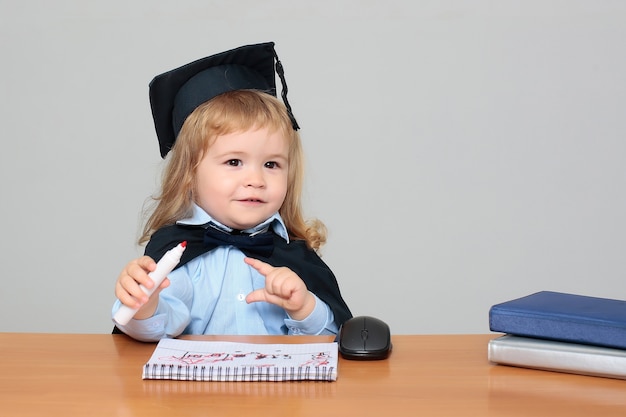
x=174 y=95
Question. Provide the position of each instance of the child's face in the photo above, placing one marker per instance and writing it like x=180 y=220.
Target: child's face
x=242 y=179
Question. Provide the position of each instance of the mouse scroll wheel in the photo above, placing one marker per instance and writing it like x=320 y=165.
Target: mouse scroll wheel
x=364 y=334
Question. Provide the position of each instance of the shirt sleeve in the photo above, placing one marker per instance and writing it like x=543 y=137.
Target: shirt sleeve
x=321 y=321
x=155 y=328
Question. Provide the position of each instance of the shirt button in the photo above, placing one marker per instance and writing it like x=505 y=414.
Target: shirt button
x=241 y=297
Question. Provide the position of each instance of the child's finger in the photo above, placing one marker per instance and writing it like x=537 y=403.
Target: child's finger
x=256 y=296
x=262 y=267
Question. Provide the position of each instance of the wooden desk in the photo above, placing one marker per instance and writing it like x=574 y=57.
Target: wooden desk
x=443 y=375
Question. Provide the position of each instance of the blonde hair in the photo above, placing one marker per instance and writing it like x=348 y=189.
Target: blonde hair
x=235 y=111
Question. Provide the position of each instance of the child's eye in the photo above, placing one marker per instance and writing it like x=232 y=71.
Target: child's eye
x=272 y=165
x=233 y=162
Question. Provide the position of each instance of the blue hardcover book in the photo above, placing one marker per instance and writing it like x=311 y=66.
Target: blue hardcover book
x=564 y=317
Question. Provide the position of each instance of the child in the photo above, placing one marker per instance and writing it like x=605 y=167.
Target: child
x=234 y=174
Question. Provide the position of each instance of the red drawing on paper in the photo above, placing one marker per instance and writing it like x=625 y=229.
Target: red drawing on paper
x=258 y=359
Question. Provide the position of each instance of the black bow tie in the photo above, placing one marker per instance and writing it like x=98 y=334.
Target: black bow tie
x=261 y=243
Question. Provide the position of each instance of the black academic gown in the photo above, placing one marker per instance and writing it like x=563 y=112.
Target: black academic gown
x=295 y=255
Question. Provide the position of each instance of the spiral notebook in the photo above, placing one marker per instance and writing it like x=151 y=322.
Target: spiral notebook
x=197 y=360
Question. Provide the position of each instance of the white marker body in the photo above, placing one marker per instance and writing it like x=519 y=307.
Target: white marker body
x=165 y=265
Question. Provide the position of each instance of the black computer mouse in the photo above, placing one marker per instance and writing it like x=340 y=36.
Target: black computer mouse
x=365 y=338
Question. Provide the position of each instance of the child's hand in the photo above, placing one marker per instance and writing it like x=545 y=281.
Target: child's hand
x=284 y=288
x=127 y=288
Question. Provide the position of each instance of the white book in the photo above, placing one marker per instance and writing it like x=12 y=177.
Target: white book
x=197 y=360
x=558 y=356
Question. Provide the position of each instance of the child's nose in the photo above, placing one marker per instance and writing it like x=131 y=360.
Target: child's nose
x=255 y=178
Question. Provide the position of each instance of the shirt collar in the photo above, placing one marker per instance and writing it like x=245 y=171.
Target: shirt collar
x=199 y=217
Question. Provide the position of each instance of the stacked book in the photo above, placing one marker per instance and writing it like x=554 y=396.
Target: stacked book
x=561 y=332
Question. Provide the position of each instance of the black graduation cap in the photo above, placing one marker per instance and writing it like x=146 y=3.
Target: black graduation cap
x=174 y=95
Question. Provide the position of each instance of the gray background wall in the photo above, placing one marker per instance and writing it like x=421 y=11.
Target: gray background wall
x=462 y=153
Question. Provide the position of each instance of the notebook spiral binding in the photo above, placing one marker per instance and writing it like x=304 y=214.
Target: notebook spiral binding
x=242 y=373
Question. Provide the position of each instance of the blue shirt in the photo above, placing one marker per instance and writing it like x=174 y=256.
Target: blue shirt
x=207 y=296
